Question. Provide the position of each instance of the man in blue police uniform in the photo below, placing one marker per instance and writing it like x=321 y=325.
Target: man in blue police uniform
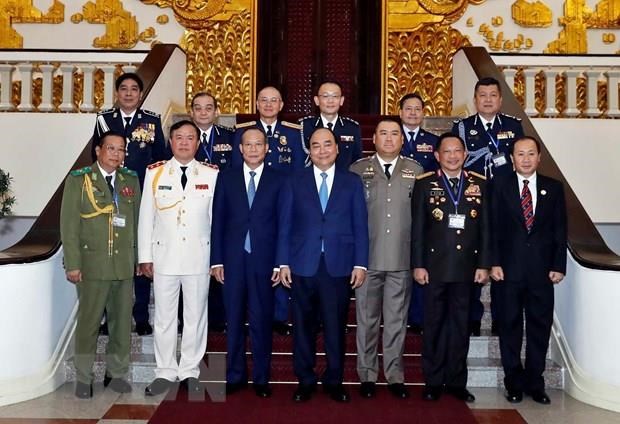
x=145 y=145
x=329 y=99
x=216 y=149
x=489 y=136
x=285 y=154
x=419 y=145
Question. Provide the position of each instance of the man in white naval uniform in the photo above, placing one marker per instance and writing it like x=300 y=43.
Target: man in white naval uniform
x=174 y=233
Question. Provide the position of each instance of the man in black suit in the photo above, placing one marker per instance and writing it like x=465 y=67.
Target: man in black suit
x=528 y=218
x=450 y=243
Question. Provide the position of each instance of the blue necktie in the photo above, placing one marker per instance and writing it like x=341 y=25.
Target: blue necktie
x=323 y=196
x=251 y=194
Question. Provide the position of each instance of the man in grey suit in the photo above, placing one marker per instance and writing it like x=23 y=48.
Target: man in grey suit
x=388 y=180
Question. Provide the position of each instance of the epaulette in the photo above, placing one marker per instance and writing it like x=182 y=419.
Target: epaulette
x=148 y=112
x=210 y=165
x=245 y=124
x=307 y=117
x=105 y=111
x=366 y=159
x=408 y=159
x=224 y=127
x=426 y=174
x=156 y=164
x=510 y=116
x=81 y=171
x=291 y=125
x=477 y=175
x=352 y=120
x=456 y=121
x=127 y=171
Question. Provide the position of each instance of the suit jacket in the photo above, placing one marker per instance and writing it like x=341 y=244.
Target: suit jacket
x=285 y=152
x=85 y=224
x=422 y=149
x=348 y=136
x=218 y=150
x=174 y=232
x=343 y=227
x=505 y=130
x=449 y=254
x=544 y=248
x=145 y=138
x=233 y=217
x=389 y=211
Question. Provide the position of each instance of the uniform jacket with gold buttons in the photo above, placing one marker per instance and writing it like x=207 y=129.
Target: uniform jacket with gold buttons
x=175 y=225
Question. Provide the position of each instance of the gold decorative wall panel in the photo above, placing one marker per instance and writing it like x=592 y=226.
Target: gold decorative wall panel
x=24 y=12
x=534 y=15
x=220 y=43
x=418 y=46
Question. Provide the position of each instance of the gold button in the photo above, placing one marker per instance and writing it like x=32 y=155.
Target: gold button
x=476 y=251
x=458 y=247
x=432 y=250
x=269 y=163
x=458 y=231
x=389 y=215
x=269 y=150
x=115 y=234
x=389 y=200
x=389 y=184
x=116 y=251
x=387 y=231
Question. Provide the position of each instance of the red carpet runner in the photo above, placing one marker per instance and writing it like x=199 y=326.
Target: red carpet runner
x=245 y=407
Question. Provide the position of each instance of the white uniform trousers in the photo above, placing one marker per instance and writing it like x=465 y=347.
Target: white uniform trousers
x=194 y=337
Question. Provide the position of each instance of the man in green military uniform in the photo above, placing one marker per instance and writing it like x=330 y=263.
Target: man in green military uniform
x=98 y=225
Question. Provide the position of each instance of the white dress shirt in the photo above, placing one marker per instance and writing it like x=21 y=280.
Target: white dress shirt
x=325 y=122
x=383 y=163
x=485 y=122
x=124 y=115
x=407 y=130
x=246 y=175
x=531 y=185
x=329 y=180
x=273 y=126
x=105 y=174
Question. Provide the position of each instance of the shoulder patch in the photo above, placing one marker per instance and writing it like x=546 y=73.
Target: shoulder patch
x=426 y=174
x=148 y=112
x=128 y=171
x=210 y=165
x=81 y=171
x=482 y=177
x=305 y=118
x=362 y=160
x=291 y=125
x=106 y=111
x=245 y=124
x=408 y=159
x=224 y=127
x=456 y=121
x=156 y=164
x=511 y=117
x=351 y=120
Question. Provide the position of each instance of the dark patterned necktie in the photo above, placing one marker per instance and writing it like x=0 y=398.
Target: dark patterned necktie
x=183 y=177
x=454 y=182
x=127 y=121
x=108 y=179
x=330 y=126
x=269 y=132
x=527 y=206
x=387 y=170
x=489 y=126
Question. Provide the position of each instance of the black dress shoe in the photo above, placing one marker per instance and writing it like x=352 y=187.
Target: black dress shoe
x=192 y=385
x=303 y=393
x=103 y=329
x=415 y=329
x=514 y=396
x=83 y=390
x=119 y=385
x=157 y=387
x=431 y=392
x=539 y=396
x=262 y=390
x=474 y=328
x=281 y=328
x=144 y=329
x=235 y=387
x=461 y=393
x=368 y=389
x=336 y=392
x=398 y=390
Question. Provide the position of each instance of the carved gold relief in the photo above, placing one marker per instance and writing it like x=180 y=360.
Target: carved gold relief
x=573 y=38
x=408 y=15
x=220 y=44
x=162 y=19
x=23 y=12
x=606 y=15
x=531 y=15
x=498 y=42
x=609 y=38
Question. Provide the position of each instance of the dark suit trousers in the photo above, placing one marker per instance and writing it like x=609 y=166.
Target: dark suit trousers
x=142 y=291
x=446 y=333
x=328 y=297
x=246 y=289
x=416 y=307
x=534 y=296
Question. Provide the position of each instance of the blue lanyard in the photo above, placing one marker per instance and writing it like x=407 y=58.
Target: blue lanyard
x=208 y=152
x=455 y=201
x=115 y=200
x=493 y=140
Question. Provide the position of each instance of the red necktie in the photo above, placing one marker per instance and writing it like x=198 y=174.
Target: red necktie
x=527 y=206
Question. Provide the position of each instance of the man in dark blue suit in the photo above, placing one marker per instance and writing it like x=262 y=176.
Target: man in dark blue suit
x=419 y=145
x=326 y=254
x=528 y=221
x=488 y=136
x=285 y=154
x=246 y=250
x=329 y=100
x=145 y=145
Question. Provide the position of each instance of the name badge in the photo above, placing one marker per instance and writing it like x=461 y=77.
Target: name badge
x=118 y=220
x=456 y=221
x=499 y=159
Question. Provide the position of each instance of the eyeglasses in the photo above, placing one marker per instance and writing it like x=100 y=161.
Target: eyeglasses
x=326 y=96
x=268 y=100
x=112 y=150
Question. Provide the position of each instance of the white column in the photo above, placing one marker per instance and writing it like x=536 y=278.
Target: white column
x=6 y=71
x=87 y=93
x=67 y=87
x=530 y=94
x=550 y=75
x=47 y=79
x=509 y=76
x=25 y=72
x=613 y=78
x=592 y=93
x=108 y=85
x=571 y=92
